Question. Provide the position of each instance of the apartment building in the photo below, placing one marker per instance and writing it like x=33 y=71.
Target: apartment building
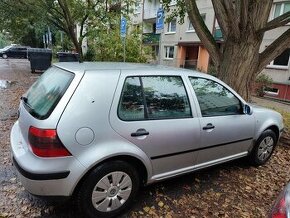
x=178 y=44
x=278 y=69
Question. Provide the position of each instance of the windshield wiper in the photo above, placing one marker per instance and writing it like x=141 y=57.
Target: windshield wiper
x=25 y=100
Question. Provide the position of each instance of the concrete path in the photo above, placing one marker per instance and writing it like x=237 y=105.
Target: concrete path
x=269 y=103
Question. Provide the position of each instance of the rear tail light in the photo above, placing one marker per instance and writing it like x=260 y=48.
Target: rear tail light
x=281 y=207
x=45 y=143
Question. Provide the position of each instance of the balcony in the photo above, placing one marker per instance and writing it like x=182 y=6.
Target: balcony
x=151 y=38
x=150 y=9
x=218 y=35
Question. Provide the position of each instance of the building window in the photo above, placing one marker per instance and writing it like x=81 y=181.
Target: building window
x=282 y=60
x=137 y=9
x=271 y=91
x=171 y=28
x=281 y=8
x=173 y=2
x=190 y=27
x=169 y=52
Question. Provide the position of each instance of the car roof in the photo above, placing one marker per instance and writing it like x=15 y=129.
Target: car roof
x=77 y=67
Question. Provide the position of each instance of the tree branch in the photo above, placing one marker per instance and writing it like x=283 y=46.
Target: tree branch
x=273 y=50
x=277 y=22
x=232 y=18
x=242 y=8
x=203 y=33
x=260 y=11
x=56 y=24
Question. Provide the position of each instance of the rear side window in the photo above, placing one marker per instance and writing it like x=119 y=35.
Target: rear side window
x=46 y=92
x=153 y=97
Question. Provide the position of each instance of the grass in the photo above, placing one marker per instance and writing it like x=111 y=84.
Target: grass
x=286 y=118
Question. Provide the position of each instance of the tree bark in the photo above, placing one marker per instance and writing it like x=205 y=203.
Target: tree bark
x=240 y=63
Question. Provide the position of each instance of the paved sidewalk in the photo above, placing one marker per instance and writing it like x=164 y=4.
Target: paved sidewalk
x=271 y=104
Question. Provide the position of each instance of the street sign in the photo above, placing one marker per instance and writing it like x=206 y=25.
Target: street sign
x=123 y=27
x=159 y=20
x=49 y=35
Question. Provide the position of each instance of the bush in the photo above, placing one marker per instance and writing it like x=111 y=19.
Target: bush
x=90 y=55
x=262 y=81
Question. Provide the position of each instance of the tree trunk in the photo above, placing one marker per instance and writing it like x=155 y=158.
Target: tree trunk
x=76 y=43
x=239 y=64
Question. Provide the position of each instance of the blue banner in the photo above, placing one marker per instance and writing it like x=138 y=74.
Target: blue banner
x=123 y=27
x=160 y=19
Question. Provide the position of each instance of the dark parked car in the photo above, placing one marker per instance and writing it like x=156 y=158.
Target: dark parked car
x=16 y=51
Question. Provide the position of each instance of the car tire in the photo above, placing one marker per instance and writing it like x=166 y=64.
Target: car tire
x=263 y=148
x=4 y=56
x=108 y=190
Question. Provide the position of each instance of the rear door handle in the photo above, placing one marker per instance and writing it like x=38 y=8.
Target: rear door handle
x=208 y=126
x=139 y=132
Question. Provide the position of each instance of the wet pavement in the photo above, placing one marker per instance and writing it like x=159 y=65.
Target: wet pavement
x=234 y=189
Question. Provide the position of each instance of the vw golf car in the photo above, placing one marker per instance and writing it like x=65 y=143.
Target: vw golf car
x=98 y=131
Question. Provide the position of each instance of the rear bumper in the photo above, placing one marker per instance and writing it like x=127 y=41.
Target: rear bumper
x=44 y=176
x=40 y=176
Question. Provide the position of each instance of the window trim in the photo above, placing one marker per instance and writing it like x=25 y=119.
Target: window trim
x=189 y=30
x=196 y=99
x=169 y=27
x=279 y=67
x=165 y=48
x=272 y=93
x=203 y=15
x=190 y=116
x=281 y=9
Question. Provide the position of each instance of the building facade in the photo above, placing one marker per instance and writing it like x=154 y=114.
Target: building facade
x=178 y=44
x=278 y=69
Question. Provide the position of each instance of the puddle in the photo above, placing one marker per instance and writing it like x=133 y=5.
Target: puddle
x=4 y=84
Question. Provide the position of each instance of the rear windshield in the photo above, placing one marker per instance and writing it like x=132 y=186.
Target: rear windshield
x=46 y=92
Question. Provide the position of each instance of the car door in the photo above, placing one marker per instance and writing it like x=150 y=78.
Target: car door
x=22 y=52
x=154 y=112
x=226 y=132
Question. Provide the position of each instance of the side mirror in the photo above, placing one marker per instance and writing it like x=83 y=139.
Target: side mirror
x=248 y=109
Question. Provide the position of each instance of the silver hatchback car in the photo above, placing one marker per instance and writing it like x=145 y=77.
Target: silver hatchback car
x=99 y=131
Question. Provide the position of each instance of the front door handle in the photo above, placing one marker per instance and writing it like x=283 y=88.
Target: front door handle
x=208 y=126
x=139 y=132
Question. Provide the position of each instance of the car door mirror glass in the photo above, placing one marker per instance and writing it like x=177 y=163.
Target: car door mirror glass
x=248 y=109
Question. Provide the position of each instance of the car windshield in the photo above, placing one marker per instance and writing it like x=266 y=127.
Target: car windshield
x=46 y=92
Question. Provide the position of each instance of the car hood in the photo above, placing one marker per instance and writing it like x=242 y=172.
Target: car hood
x=260 y=109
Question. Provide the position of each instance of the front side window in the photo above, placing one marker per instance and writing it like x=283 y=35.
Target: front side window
x=169 y=52
x=172 y=26
x=214 y=99
x=153 y=97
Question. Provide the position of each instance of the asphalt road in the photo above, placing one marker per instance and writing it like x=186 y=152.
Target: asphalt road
x=234 y=189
